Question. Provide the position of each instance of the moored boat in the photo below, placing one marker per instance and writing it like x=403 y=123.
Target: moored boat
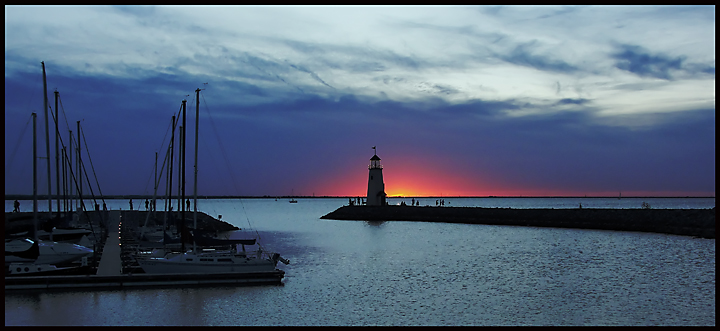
x=26 y=250
x=212 y=261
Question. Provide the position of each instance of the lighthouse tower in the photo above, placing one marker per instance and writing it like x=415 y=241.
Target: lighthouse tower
x=376 y=187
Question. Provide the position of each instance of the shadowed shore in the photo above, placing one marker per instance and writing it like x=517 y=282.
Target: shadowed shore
x=23 y=221
x=204 y=221
x=686 y=222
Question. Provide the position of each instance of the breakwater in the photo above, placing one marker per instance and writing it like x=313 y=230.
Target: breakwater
x=204 y=221
x=23 y=221
x=687 y=222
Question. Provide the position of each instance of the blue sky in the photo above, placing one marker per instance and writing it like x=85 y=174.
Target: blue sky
x=489 y=100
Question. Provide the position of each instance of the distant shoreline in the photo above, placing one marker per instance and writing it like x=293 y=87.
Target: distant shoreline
x=45 y=197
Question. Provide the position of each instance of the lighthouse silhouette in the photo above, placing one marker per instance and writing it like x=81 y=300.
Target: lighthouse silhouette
x=376 y=187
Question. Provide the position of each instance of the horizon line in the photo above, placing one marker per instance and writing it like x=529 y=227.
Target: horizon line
x=143 y=196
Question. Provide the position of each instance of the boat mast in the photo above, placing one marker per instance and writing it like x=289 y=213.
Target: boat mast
x=168 y=179
x=197 y=125
x=182 y=166
x=179 y=165
x=79 y=168
x=57 y=154
x=47 y=140
x=35 y=202
x=69 y=160
x=156 y=187
x=64 y=179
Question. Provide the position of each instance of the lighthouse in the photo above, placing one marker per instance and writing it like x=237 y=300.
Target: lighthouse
x=376 y=187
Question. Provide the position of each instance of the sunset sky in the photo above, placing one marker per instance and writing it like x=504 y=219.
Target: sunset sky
x=460 y=101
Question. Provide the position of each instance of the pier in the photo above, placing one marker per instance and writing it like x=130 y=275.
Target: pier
x=110 y=263
x=687 y=222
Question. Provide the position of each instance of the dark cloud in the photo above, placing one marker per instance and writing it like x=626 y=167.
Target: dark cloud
x=360 y=59
x=568 y=101
x=312 y=74
x=642 y=62
x=694 y=68
x=522 y=55
x=639 y=61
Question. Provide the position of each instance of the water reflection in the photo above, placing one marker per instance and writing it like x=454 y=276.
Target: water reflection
x=375 y=223
x=421 y=273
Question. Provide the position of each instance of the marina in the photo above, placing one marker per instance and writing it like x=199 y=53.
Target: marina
x=117 y=266
x=76 y=248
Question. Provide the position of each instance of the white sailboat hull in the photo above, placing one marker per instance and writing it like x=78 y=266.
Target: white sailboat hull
x=206 y=264
x=49 y=252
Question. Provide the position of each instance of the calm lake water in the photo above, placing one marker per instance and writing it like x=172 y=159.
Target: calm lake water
x=405 y=273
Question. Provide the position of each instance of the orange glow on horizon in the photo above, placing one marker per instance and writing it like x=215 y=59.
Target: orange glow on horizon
x=409 y=177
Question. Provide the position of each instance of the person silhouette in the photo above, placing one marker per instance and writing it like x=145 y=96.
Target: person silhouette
x=16 y=204
x=131 y=206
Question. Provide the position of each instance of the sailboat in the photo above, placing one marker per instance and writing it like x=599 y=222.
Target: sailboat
x=292 y=197
x=236 y=260
x=28 y=253
x=25 y=250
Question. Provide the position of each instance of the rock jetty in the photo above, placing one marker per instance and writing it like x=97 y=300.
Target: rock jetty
x=687 y=222
x=204 y=221
x=23 y=221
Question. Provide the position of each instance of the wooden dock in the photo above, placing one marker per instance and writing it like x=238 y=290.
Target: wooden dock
x=110 y=263
x=132 y=281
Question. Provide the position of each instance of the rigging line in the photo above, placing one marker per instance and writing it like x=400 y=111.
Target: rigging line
x=165 y=160
x=64 y=115
x=167 y=132
x=213 y=161
x=227 y=163
x=66 y=159
x=222 y=147
x=62 y=143
x=161 y=148
x=92 y=167
x=82 y=203
x=147 y=182
x=162 y=168
x=162 y=144
x=17 y=145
